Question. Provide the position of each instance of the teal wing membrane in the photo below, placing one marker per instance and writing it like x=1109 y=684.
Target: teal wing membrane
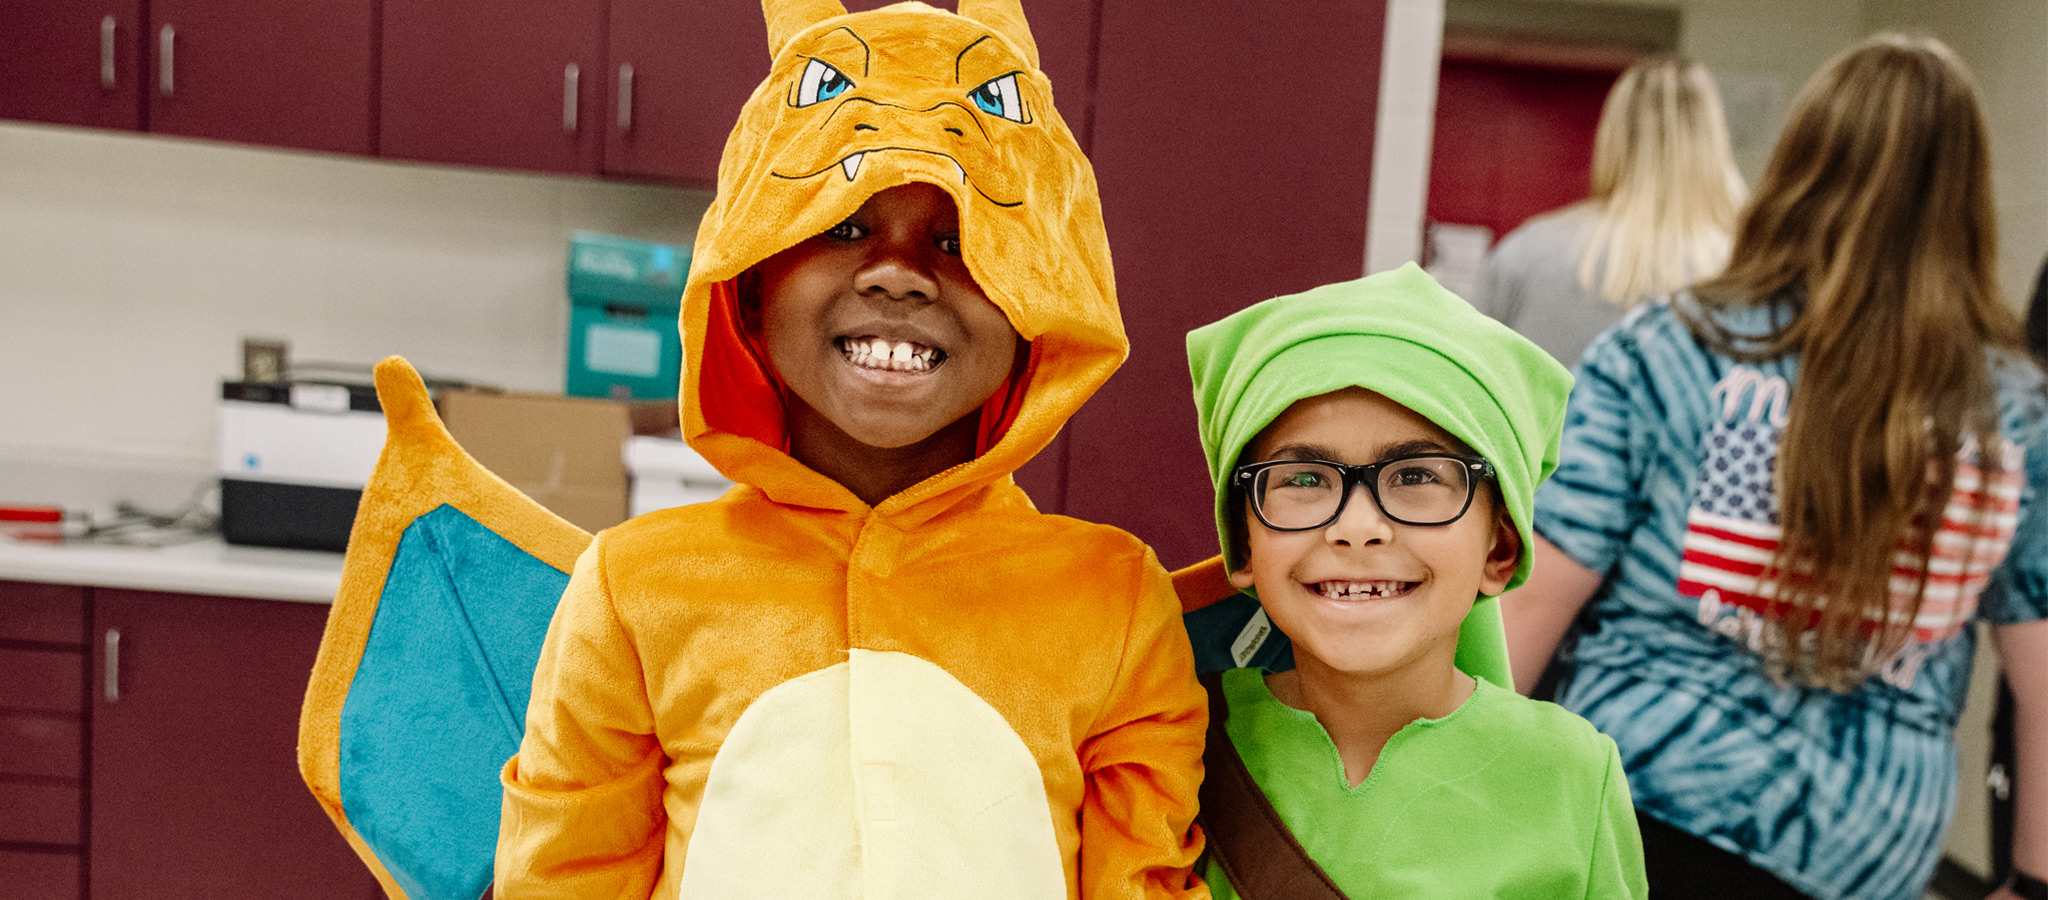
x=439 y=701
x=419 y=694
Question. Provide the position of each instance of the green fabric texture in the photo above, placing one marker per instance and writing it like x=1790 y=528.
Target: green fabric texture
x=1506 y=797
x=1401 y=335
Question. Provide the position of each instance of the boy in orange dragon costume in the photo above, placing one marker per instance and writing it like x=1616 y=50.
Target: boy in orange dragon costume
x=872 y=669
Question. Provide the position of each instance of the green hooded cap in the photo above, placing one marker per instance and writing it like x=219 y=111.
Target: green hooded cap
x=1403 y=336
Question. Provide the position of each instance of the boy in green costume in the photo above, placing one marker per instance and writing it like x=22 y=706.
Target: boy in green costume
x=1375 y=446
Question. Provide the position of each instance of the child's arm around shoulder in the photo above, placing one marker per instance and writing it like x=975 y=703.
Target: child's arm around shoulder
x=1142 y=757
x=582 y=812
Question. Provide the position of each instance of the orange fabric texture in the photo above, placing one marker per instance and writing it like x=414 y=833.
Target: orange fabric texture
x=678 y=628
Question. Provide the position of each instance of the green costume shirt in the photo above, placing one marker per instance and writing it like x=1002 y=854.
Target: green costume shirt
x=1506 y=797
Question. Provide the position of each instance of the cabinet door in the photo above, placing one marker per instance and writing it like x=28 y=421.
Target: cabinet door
x=195 y=783
x=75 y=62
x=1234 y=153
x=516 y=83
x=42 y=762
x=679 y=73
x=295 y=74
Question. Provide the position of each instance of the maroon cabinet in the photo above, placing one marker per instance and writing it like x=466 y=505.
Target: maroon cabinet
x=293 y=74
x=1234 y=154
x=42 y=723
x=285 y=74
x=194 y=781
x=515 y=83
x=72 y=62
x=148 y=748
x=677 y=77
x=639 y=88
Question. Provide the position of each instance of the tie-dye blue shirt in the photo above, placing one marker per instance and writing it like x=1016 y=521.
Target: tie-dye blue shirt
x=1665 y=488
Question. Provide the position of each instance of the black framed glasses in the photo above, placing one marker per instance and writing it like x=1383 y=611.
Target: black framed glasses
x=1306 y=494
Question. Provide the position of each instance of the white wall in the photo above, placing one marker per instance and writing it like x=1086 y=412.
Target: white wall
x=2005 y=43
x=132 y=265
x=1763 y=50
x=1402 y=133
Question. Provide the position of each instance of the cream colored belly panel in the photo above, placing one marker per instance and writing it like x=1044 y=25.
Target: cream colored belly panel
x=879 y=778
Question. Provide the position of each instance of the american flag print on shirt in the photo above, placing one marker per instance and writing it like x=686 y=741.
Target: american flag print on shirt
x=1732 y=529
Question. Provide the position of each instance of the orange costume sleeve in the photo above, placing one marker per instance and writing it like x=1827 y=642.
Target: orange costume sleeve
x=1144 y=761
x=582 y=814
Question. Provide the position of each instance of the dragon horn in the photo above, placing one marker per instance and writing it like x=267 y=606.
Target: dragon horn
x=1004 y=17
x=787 y=17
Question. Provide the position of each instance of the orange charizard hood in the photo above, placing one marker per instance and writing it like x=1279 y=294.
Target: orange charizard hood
x=858 y=103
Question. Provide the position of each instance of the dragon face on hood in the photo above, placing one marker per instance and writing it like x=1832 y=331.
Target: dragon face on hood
x=853 y=105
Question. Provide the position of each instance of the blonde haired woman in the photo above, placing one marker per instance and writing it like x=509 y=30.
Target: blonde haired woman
x=1788 y=497
x=1665 y=195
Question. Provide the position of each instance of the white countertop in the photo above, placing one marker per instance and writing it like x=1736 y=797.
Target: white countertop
x=207 y=567
x=84 y=482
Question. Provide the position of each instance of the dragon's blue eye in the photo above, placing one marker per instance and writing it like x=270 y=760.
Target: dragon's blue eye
x=821 y=82
x=998 y=97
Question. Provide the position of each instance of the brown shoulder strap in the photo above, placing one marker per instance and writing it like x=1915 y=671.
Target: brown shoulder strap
x=1246 y=837
x=1201 y=584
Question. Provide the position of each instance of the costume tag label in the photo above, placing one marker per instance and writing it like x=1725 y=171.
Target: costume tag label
x=1251 y=638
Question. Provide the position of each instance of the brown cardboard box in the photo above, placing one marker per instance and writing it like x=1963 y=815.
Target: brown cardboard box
x=567 y=453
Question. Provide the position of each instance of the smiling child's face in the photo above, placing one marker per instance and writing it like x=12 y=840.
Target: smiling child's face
x=878 y=326
x=1366 y=595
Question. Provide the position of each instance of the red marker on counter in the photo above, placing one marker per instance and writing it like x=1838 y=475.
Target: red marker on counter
x=32 y=523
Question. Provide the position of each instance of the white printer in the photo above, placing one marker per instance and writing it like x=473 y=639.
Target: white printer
x=293 y=459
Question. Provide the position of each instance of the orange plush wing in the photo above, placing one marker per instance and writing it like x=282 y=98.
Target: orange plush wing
x=419 y=692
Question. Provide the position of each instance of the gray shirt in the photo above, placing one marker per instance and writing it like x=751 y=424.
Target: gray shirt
x=1530 y=282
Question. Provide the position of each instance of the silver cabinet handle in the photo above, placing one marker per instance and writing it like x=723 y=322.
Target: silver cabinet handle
x=112 y=689
x=107 y=52
x=625 y=97
x=570 y=76
x=166 y=79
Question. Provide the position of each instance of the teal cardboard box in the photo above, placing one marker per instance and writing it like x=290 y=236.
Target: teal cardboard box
x=624 y=296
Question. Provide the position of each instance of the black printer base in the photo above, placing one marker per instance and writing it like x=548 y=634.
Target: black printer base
x=268 y=514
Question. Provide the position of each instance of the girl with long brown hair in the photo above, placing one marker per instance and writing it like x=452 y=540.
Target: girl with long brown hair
x=1788 y=495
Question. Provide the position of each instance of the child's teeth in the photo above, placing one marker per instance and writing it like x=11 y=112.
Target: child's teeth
x=1340 y=590
x=895 y=356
